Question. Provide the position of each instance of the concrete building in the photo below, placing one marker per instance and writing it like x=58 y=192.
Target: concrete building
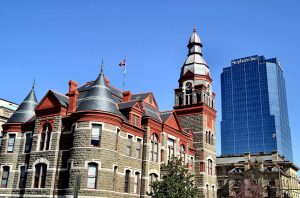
x=254 y=108
x=268 y=174
x=98 y=141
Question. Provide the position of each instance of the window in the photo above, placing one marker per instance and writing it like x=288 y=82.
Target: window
x=127 y=182
x=40 y=175
x=92 y=175
x=23 y=175
x=129 y=143
x=207 y=191
x=5 y=175
x=137 y=183
x=11 y=143
x=209 y=166
x=138 y=149
x=154 y=148
x=171 y=144
x=115 y=178
x=96 y=134
x=212 y=139
x=28 y=140
x=209 y=138
x=199 y=97
x=135 y=120
x=182 y=153
x=117 y=139
x=206 y=137
x=153 y=178
x=45 y=136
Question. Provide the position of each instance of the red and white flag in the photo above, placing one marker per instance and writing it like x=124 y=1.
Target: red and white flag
x=122 y=63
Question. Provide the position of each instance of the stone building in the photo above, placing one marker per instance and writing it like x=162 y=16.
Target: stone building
x=266 y=173
x=98 y=141
x=7 y=108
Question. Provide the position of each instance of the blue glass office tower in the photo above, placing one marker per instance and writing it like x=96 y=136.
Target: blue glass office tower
x=254 y=108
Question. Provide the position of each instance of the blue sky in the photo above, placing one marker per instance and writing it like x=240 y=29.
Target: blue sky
x=55 y=41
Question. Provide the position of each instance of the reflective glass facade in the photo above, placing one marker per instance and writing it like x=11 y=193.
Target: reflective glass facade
x=254 y=108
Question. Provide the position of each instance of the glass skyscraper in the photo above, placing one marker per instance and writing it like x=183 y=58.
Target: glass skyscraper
x=254 y=108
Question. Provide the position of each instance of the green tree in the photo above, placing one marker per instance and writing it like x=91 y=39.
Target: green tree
x=177 y=182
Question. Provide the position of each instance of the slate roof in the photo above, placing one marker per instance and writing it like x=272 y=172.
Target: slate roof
x=139 y=97
x=26 y=109
x=125 y=105
x=99 y=98
x=164 y=115
x=151 y=111
x=63 y=99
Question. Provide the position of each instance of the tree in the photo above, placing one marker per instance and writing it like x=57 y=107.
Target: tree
x=250 y=190
x=176 y=183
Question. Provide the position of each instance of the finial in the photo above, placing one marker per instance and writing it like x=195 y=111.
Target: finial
x=33 y=84
x=101 y=67
x=194 y=30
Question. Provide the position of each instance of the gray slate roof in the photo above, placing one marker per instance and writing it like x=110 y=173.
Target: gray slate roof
x=165 y=115
x=63 y=99
x=99 y=98
x=125 y=105
x=139 y=97
x=151 y=111
x=26 y=109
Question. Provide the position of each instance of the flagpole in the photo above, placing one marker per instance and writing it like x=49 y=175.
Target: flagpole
x=124 y=72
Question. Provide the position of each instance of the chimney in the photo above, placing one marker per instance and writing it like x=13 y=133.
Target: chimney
x=73 y=93
x=126 y=96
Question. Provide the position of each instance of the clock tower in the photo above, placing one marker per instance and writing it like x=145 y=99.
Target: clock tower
x=195 y=109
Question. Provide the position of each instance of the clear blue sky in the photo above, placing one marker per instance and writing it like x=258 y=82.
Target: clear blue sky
x=55 y=41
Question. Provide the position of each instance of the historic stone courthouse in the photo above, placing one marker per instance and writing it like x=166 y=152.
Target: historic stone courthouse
x=97 y=141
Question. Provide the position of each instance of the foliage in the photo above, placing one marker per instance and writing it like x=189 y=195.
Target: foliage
x=176 y=183
x=251 y=190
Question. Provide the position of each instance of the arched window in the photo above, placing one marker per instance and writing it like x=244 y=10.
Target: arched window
x=45 y=137
x=154 y=148
x=206 y=137
x=171 y=149
x=137 y=183
x=5 y=175
x=92 y=175
x=212 y=139
x=209 y=167
x=115 y=178
x=209 y=137
x=127 y=181
x=153 y=178
x=40 y=175
x=182 y=153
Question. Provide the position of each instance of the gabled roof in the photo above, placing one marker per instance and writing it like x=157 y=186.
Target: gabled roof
x=126 y=105
x=63 y=99
x=150 y=111
x=164 y=115
x=140 y=97
x=99 y=98
x=26 y=109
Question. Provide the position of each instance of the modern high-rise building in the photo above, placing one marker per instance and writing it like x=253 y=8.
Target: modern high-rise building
x=254 y=108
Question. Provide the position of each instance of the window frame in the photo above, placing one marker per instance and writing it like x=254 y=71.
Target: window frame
x=154 y=146
x=27 y=142
x=9 y=144
x=40 y=175
x=5 y=177
x=127 y=181
x=96 y=137
x=136 y=185
x=138 y=148
x=92 y=176
x=129 y=145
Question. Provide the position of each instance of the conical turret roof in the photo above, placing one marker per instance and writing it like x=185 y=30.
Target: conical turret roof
x=26 y=109
x=99 y=98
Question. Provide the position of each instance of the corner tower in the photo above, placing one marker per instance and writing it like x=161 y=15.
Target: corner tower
x=195 y=108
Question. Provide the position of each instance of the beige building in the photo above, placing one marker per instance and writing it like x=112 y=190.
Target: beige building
x=7 y=108
x=265 y=174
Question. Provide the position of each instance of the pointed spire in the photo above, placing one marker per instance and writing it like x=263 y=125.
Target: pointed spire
x=99 y=97
x=101 y=67
x=195 y=45
x=26 y=109
x=195 y=62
